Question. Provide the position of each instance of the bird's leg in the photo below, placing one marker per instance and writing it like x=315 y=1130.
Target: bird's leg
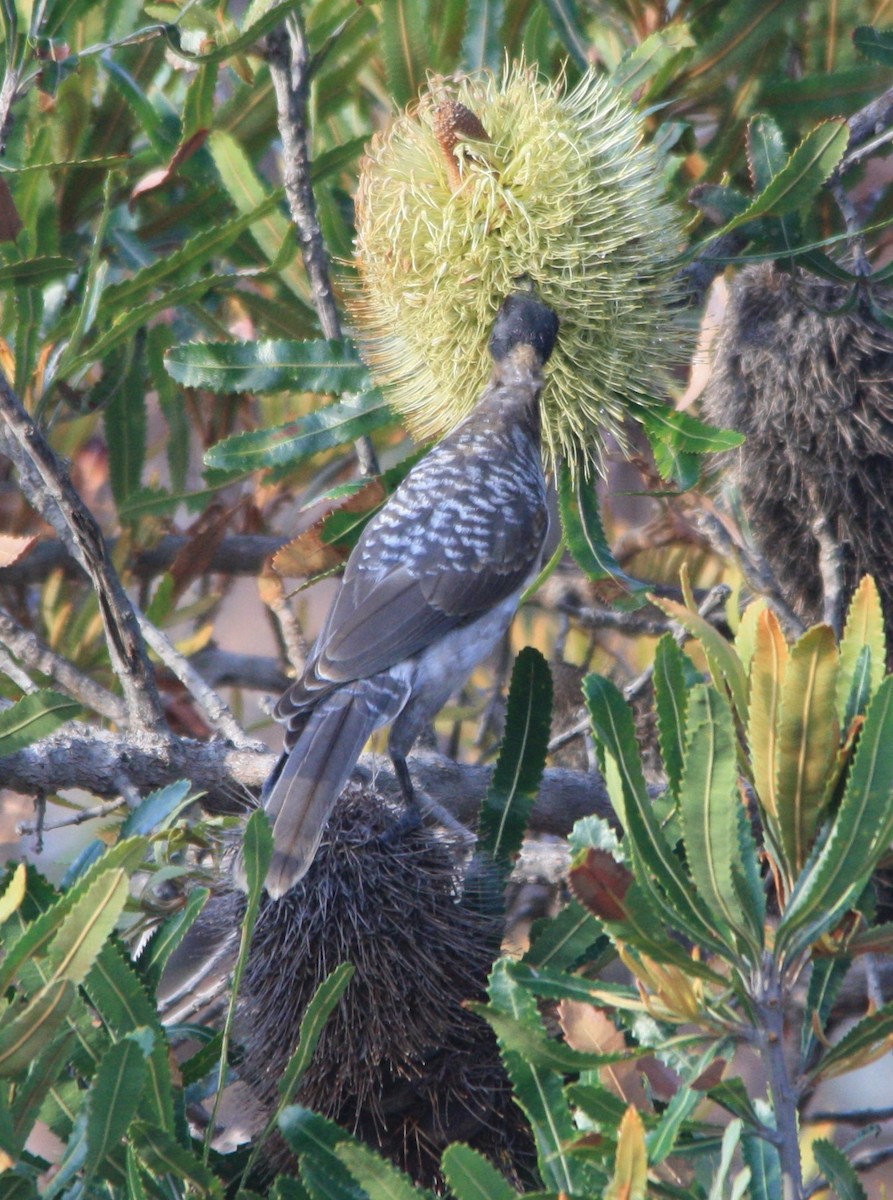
x=419 y=804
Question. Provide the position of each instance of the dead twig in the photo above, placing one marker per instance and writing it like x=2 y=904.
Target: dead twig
x=289 y=60
x=36 y=654
x=49 y=489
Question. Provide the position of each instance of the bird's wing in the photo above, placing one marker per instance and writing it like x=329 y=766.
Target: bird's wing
x=379 y=620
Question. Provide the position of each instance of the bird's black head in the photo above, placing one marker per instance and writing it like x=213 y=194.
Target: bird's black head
x=524 y=320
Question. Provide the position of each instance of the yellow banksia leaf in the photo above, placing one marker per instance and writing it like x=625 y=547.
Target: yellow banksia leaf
x=630 y=1181
x=489 y=181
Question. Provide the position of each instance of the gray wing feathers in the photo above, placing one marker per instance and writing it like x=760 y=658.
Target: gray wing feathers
x=317 y=768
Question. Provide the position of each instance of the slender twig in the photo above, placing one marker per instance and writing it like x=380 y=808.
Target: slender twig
x=633 y=623
x=714 y=600
x=29 y=649
x=212 y=705
x=98 y=811
x=54 y=495
x=289 y=60
x=11 y=669
x=754 y=568
x=865 y=1116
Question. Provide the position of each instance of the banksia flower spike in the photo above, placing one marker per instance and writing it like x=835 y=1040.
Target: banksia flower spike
x=486 y=183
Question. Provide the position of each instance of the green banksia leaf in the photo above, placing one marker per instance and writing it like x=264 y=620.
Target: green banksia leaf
x=490 y=181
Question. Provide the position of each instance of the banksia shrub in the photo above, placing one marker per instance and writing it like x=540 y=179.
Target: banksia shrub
x=488 y=181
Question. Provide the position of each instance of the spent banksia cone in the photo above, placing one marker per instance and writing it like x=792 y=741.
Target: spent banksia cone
x=487 y=182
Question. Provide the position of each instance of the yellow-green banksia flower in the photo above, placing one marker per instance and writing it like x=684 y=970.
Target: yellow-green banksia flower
x=487 y=182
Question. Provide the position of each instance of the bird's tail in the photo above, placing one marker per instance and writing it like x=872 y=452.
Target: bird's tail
x=312 y=774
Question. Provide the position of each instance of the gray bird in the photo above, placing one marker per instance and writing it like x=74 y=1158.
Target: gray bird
x=428 y=591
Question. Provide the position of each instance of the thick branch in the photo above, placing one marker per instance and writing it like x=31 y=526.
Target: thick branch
x=95 y=761
x=55 y=498
x=289 y=58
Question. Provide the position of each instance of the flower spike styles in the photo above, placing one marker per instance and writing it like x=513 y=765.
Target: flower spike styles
x=489 y=182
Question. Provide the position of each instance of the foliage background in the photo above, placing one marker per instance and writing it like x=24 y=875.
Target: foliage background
x=142 y=216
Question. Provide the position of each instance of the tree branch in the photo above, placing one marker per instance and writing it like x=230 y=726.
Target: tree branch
x=238 y=554
x=54 y=496
x=288 y=56
x=37 y=655
x=96 y=760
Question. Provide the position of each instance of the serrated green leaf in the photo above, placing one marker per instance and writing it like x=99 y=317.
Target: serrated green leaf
x=732 y=1095
x=838 y=1171
x=162 y=134
x=274 y=234
x=472 y=1177
x=708 y=804
x=867 y=1040
x=269 y=366
x=129 y=320
x=824 y=983
x=540 y=1094
x=126 y=423
x=766 y=151
x=658 y=871
x=378 y=1178
x=31 y=945
x=562 y=941
x=875 y=44
x=31 y=1031
x=313 y=1022
x=119 y=997
x=653 y=56
x=671 y=706
x=806 y=170
x=764 y=1164
x=583 y=530
x=864 y=627
x=32 y=1091
x=807 y=743
x=315 y=1140
x=34 y=717
x=170 y=935
x=522 y=758
x=158 y=809
x=195 y=253
x=76 y=946
x=259 y=19
x=597 y=1103
x=405 y=48
x=683 y=432
x=861 y=688
x=35 y=271
x=726 y=669
x=114 y=1096
x=289 y=444
x=860 y=834
x=162 y=1155
x=537 y=1048
x=135 y=1187
x=13 y=893
x=768 y=668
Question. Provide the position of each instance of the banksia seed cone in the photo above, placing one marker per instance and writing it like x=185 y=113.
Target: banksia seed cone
x=810 y=388
x=487 y=182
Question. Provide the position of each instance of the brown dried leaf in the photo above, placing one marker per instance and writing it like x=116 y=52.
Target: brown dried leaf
x=591 y=1030
x=13 y=549
x=600 y=883
x=311 y=553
